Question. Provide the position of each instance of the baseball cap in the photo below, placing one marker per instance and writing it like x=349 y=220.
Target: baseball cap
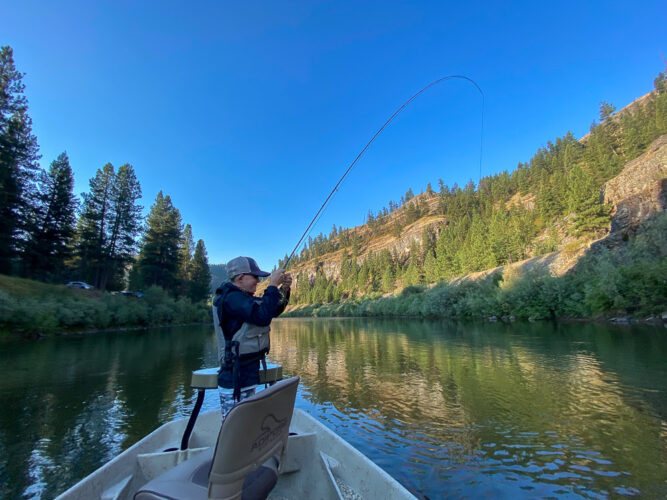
x=244 y=265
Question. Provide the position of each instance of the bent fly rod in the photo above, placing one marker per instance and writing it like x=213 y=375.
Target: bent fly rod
x=335 y=188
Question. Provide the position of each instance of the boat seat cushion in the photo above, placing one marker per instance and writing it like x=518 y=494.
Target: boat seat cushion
x=189 y=480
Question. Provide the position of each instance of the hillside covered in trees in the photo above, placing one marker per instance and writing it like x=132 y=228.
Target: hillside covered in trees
x=553 y=202
x=48 y=233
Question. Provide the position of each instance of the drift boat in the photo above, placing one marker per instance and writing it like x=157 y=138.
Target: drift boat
x=264 y=449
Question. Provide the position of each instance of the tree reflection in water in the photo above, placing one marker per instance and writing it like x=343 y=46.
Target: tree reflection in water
x=478 y=409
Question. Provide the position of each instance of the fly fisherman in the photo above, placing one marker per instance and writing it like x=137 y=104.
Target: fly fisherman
x=241 y=323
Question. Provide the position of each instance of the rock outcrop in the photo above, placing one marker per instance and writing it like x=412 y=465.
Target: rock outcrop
x=330 y=263
x=640 y=190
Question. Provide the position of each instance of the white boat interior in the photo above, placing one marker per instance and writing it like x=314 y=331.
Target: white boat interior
x=264 y=449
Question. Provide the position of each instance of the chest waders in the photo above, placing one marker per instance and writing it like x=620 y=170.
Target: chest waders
x=248 y=342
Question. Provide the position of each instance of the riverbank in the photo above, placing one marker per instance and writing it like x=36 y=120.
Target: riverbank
x=482 y=301
x=33 y=309
x=608 y=283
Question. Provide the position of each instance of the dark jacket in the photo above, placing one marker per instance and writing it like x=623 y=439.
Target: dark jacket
x=237 y=307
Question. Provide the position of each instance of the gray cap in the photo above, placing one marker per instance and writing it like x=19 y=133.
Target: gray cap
x=244 y=265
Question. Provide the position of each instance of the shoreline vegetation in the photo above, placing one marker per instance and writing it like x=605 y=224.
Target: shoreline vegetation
x=32 y=309
x=605 y=284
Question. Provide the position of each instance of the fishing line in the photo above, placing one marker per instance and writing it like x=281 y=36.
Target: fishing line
x=333 y=191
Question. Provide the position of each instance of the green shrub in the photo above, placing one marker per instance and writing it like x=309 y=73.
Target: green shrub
x=55 y=309
x=411 y=290
x=644 y=287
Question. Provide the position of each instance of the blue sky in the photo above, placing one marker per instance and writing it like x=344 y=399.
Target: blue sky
x=247 y=113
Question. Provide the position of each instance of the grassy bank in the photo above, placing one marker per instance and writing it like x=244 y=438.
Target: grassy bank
x=32 y=308
x=627 y=281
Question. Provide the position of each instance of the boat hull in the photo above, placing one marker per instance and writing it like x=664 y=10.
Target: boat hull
x=318 y=464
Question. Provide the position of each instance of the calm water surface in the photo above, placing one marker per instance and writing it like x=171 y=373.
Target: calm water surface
x=451 y=410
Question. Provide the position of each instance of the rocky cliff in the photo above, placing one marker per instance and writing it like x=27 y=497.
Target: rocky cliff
x=640 y=190
x=397 y=245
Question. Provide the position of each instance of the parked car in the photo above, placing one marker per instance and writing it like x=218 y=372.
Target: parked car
x=80 y=284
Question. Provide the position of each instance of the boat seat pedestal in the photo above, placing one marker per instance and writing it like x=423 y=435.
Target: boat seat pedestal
x=207 y=378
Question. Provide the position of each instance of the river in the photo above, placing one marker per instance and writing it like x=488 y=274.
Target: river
x=451 y=410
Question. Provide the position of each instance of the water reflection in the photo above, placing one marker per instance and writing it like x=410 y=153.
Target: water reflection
x=450 y=410
x=472 y=410
x=71 y=404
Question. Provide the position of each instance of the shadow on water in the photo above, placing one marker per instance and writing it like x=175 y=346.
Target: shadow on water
x=449 y=409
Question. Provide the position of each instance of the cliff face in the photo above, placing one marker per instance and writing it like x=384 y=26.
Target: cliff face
x=640 y=190
x=399 y=246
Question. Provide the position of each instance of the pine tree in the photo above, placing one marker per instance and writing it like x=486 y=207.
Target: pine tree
x=474 y=254
x=91 y=231
x=548 y=202
x=348 y=273
x=159 y=258
x=49 y=244
x=429 y=240
x=606 y=110
x=337 y=293
x=446 y=253
x=431 y=268
x=200 y=277
x=109 y=225
x=18 y=160
x=498 y=240
x=388 y=279
x=124 y=227
x=411 y=276
x=581 y=189
x=329 y=293
x=186 y=251
x=363 y=277
x=586 y=203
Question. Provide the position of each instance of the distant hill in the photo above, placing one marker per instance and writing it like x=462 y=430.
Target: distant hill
x=218 y=275
x=561 y=200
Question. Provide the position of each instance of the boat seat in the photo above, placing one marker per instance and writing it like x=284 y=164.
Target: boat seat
x=244 y=464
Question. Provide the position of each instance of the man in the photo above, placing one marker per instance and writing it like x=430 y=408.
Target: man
x=241 y=323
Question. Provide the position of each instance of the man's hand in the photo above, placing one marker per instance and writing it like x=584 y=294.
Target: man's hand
x=277 y=277
x=287 y=281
